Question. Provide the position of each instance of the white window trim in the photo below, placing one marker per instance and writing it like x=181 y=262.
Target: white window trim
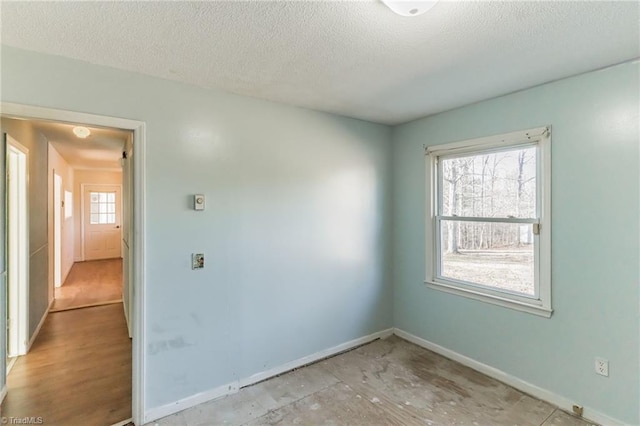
x=540 y=136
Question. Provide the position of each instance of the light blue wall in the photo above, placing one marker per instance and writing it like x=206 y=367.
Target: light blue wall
x=595 y=254
x=295 y=230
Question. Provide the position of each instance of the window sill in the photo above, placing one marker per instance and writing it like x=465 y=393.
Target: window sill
x=530 y=308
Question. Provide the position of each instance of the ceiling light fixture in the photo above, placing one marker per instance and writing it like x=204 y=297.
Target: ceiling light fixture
x=409 y=8
x=81 y=132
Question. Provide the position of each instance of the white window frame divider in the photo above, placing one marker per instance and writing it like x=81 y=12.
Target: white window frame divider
x=541 y=138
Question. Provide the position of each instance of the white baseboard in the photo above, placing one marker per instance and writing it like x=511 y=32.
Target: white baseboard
x=526 y=387
x=234 y=387
x=190 y=401
x=3 y=393
x=37 y=330
x=9 y=365
x=313 y=357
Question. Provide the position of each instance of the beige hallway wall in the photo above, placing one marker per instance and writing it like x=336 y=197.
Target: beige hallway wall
x=62 y=169
x=39 y=291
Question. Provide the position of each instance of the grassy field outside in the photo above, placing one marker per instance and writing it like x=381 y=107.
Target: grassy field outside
x=508 y=269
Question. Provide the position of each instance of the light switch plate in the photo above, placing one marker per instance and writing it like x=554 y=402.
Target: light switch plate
x=197 y=261
x=198 y=201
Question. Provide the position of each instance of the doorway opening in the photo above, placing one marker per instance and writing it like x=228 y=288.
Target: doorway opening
x=95 y=239
x=124 y=242
x=18 y=250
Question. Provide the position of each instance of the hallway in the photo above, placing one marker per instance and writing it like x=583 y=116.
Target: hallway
x=77 y=372
x=91 y=283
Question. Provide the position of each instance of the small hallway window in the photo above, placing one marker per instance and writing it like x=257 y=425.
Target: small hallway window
x=488 y=219
x=103 y=208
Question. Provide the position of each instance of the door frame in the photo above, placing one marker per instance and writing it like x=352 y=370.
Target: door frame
x=22 y=286
x=57 y=230
x=82 y=212
x=13 y=110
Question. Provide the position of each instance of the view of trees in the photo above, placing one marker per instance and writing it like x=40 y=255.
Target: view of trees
x=495 y=185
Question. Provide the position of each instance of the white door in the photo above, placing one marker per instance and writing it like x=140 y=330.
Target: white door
x=101 y=218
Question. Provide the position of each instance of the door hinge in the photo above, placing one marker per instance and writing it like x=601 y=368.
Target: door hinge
x=536 y=229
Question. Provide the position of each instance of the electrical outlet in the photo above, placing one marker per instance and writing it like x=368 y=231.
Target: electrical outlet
x=602 y=367
x=197 y=261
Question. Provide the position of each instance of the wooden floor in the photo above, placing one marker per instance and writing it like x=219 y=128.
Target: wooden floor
x=90 y=283
x=78 y=371
x=387 y=382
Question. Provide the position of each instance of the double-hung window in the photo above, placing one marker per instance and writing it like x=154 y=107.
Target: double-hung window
x=488 y=219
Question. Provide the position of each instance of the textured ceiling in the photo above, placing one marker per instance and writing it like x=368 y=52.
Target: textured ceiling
x=101 y=150
x=354 y=58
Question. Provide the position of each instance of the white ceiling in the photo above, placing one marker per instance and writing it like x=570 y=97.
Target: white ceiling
x=354 y=58
x=101 y=150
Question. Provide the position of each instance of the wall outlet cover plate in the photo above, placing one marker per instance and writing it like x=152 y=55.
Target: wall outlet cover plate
x=602 y=367
x=197 y=261
x=198 y=201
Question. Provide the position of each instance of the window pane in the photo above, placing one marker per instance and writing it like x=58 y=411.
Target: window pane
x=499 y=184
x=103 y=208
x=498 y=255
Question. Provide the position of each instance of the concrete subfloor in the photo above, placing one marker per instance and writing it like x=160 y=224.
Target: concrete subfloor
x=386 y=382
